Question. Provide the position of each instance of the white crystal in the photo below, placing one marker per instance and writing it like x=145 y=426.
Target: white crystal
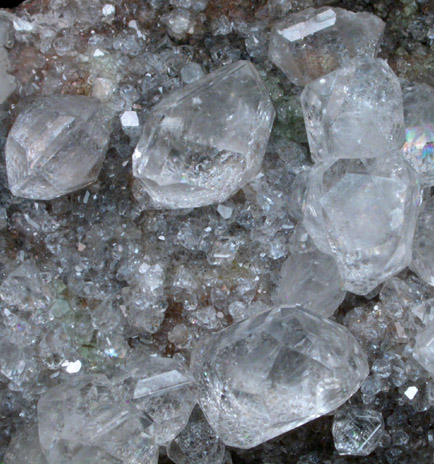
x=204 y=142
x=271 y=373
x=411 y=392
x=314 y=42
x=129 y=119
x=108 y=9
x=224 y=211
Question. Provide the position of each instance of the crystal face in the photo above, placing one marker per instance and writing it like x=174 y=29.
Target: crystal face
x=354 y=112
x=271 y=373
x=424 y=347
x=204 y=142
x=357 y=431
x=315 y=42
x=56 y=146
x=419 y=129
x=363 y=212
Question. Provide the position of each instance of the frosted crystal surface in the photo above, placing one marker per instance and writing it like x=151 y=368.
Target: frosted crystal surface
x=419 y=129
x=56 y=146
x=271 y=373
x=314 y=42
x=310 y=280
x=357 y=431
x=354 y=112
x=205 y=141
x=363 y=213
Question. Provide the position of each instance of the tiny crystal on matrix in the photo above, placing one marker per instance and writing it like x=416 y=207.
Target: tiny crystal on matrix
x=205 y=141
x=271 y=373
x=314 y=42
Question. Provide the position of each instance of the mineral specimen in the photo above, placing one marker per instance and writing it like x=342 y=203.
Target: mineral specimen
x=271 y=373
x=56 y=146
x=424 y=347
x=204 y=142
x=363 y=212
x=354 y=112
x=25 y=448
x=314 y=42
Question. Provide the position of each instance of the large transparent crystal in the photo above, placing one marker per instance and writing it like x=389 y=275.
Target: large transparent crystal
x=56 y=146
x=357 y=431
x=24 y=448
x=419 y=129
x=89 y=412
x=205 y=141
x=271 y=373
x=363 y=212
x=315 y=42
x=354 y=112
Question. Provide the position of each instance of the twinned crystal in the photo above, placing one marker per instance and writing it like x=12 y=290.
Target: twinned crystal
x=363 y=213
x=271 y=373
x=314 y=42
x=205 y=141
x=354 y=112
x=56 y=146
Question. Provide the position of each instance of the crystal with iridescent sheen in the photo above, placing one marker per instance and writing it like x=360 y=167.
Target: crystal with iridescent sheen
x=314 y=42
x=205 y=141
x=363 y=212
x=271 y=373
x=354 y=112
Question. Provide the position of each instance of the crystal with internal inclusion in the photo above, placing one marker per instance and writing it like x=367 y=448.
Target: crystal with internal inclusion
x=271 y=373
x=314 y=42
x=363 y=213
x=56 y=146
x=205 y=141
x=354 y=112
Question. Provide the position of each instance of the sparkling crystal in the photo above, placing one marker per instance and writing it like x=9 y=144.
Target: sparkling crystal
x=419 y=129
x=357 y=431
x=310 y=280
x=363 y=212
x=354 y=112
x=271 y=373
x=56 y=146
x=197 y=443
x=314 y=42
x=204 y=142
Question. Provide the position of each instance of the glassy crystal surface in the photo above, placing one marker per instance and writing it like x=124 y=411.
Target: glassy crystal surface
x=419 y=128
x=271 y=373
x=197 y=443
x=354 y=112
x=357 y=431
x=363 y=213
x=89 y=412
x=424 y=347
x=205 y=141
x=24 y=448
x=314 y=42
x=56 y=146
x=310 y=280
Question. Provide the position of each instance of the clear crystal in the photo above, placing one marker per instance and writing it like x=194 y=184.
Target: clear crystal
x=419 y=129
x=357 y=431
x=314 y=42
x=354 y=112
x=204 y=142
x=56 y=146
x=424 y=347
x=24 y=448
x=271 y=373
x=310 y=280
x=363 y=212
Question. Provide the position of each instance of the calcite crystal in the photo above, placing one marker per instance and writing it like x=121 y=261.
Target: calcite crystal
x=354 y=112
x=56 y=146
x=363 y=212
x=205 y=141
x=271 y=373
x=314 y=42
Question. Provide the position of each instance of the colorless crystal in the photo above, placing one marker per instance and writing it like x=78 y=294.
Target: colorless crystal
x=310 y=280
x=314 y=42
x=363 y=213
x=24 y=448
x=424 y=347
x=271 y=373
x=354 y=112
x=56 y=146
x=191 y=72
x=357 y=431
x=419 y=129
x=204 y=142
